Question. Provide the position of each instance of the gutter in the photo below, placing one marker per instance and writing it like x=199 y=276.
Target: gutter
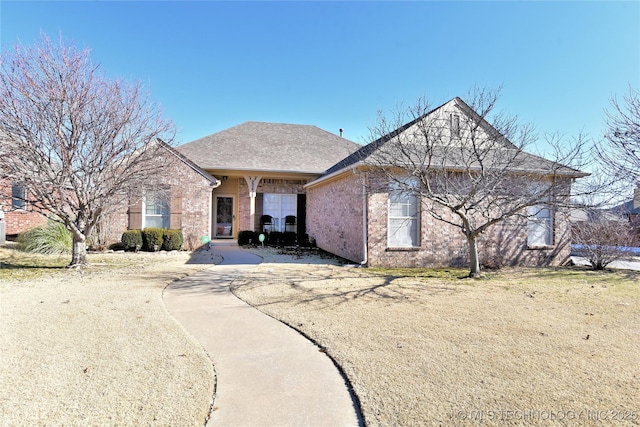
x=365 y=236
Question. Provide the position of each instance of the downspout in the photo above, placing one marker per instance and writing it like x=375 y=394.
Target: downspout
x=214 y=185
x=365 y=236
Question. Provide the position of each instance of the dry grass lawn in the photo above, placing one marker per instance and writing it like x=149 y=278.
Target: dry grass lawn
x=424 y=347
x=97 y=347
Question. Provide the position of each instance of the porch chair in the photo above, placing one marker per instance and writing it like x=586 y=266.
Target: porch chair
x=290 y=223
x=266 y=224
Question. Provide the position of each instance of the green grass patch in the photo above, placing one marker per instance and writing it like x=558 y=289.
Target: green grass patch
x=553 y=278
x=20 y=265
x=447 y=274
x=16 y=264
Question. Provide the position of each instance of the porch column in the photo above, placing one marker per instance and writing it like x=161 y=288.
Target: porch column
x=252 y=182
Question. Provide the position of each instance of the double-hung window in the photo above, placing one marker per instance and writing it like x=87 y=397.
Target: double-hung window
x=404 y=211
x=279 y=206
x=156 y=211
x=540 y=226
x=18 y=196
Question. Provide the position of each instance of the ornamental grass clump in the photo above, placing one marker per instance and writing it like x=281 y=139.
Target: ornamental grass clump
x=50 y=239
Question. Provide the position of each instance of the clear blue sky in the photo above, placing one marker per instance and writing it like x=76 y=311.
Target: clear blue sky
x=213 y=65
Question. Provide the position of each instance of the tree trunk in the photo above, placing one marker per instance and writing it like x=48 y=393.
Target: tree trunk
x=474 y=260
x=79 y=252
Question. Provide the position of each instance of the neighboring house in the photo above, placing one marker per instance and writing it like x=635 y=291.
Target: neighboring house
x=19 y=213
x=264 y=168
x=350 y=213
x=630 y=208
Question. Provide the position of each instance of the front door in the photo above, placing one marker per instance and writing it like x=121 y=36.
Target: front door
x=224 y=217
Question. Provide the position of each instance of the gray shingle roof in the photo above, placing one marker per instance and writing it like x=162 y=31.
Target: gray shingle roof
x=269 y=147
x=380 y=153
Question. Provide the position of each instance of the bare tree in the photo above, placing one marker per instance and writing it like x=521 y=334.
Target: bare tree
x=79 y=142
x=620 y=149
x=604 y=238
x=468 y=173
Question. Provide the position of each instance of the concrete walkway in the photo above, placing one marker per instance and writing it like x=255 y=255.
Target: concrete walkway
x=267 y=374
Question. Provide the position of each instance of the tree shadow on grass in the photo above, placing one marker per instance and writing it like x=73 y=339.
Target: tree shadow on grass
x=328 y=290
x=25 y=266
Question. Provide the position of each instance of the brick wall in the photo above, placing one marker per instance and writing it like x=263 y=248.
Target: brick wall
x=442 y=244
x=182 y=181
x=18 y=220
x=334 y=217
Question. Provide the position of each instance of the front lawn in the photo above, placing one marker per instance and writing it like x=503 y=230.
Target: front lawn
x=549 y=346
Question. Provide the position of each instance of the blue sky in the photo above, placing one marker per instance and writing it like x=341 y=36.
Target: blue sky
x=213 y=65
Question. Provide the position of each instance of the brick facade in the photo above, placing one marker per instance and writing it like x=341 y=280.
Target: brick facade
x=335 y=217
x=193 y=193
x=337 y=228
x=18 y=220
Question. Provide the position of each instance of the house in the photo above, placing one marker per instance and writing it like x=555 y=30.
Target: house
x=17 y=206
x=263 y=168
x=286 y=177
x=352 y=211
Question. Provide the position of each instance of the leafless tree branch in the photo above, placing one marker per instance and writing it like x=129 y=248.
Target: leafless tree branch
x=79 y=142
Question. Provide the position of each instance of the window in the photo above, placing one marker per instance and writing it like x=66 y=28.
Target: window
x=278 y=206
x=156 y=210
x=403 y=214
x=18 y=196
x=455 y=125
x=540 y=226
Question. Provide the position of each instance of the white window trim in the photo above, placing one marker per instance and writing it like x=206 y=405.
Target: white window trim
x=144 y=214
x=536 y=223
x=390 y=242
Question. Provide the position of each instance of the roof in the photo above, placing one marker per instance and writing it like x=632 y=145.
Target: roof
x=264 y=146
x=625 y=208
x=214 y=182
x=448 y=156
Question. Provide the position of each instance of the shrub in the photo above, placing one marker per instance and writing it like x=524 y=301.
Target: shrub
x=152 y=239
x=289 y=238
x=603 y=239
x=172 y=240
x=275 y=238
x=132 y=240
x=247 y=237
x=50 y=239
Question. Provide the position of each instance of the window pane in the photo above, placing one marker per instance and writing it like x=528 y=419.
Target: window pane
x=403 y=214
x=18 y=196
x=279 y=206
x=403 y=232
x=157 y=221
x=540 y=226
x=156 y=210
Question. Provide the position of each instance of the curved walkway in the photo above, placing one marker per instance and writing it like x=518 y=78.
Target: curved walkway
x=267 y=374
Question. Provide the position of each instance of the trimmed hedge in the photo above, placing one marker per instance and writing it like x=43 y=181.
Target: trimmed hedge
x=132 y=240
x=172 y=240
x=247 y=237
x=152 y=239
